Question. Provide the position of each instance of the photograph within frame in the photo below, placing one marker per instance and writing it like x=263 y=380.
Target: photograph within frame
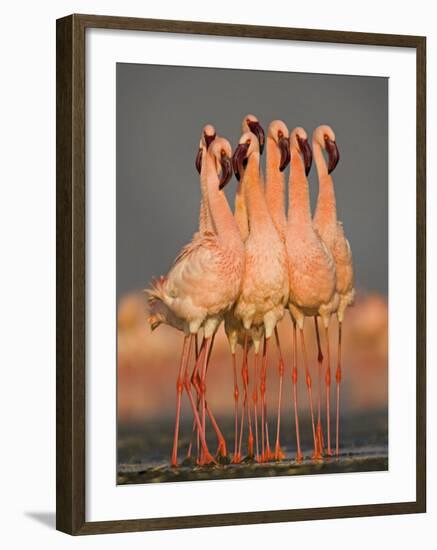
x=160 y=113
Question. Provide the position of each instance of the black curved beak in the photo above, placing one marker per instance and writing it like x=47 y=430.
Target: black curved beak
x=238 y=159
x=306 y=153
x=333 y=154
x=257 y=129
x=199 y=160
x=209 y=139
x=284 y=146
x=226 y=164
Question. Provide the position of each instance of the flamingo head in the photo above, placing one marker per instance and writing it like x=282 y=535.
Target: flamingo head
x=251 y=124
x=325 y=137
x=207 y=137
x=299 y=143
x=279 y=133
x=221 y=151
x=247 y=145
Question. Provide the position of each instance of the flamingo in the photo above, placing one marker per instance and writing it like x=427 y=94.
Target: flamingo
x=234 y=329
x=202 y=285
x=332 y=233
x=278 y=158
x=205 y=225
x=235 y=334
x=311 y=267
x=264 y=291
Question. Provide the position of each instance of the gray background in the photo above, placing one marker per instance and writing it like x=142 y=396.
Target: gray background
x=160 y=113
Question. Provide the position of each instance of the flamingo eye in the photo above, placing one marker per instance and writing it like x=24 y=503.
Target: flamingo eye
x=280 y=134
x=248 y=142
x=326 y=137
x=223 y=153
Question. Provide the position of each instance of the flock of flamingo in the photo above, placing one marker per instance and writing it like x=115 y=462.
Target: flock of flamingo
x=246 y=268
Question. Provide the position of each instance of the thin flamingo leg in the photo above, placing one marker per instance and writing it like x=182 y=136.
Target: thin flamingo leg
x=207 y=342
x=266 y=452
x=319 y=429
x=310 y=393
x=279 y=454
x=328 y=393
x=222 y=447
x=262 y=389
x=207 y=457
x=338 y=381
x=299 y=455
x=255 y=402
x=195 y=381
x=245 y=376
x=179 y=389
x=236 y=457
x=193 y=429
x=240 y=444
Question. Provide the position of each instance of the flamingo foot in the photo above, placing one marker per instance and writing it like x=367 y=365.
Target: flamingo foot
x=236 y=459
x=317 y=455
x=299 y=457
x=279 y=453
x=222 y=450
x=268 y=454
x=206 y=459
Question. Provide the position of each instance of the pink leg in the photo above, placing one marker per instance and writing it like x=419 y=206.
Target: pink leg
x=338 y=381
x=240 y=444
x=279 y=455
x=236 y=457
x=255 y=403
x=186 y=382
x=310 y=393
x=265 y=443
x=222 y=447
x=196 y=382
x=245 y=376
x=179 y=389
x=193 y=429
x=207 y=342
x=319 y=429
x=328 y=394
x=299 y=456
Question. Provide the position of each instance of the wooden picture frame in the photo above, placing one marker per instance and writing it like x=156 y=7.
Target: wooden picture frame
x=70 y=207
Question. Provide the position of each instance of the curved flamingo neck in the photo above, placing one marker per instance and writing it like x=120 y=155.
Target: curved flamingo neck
x=221 y=215
x=326 y=208
x=259 y=217
x=205 y=221
x=299 y=206
x=275 y=184
x=241 y=211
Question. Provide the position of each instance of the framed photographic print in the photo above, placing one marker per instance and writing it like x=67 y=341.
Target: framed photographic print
x=240 y=274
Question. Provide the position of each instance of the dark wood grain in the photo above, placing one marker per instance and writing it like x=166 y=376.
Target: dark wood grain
x=70 y=276
x=71 y=280
x=421 y=274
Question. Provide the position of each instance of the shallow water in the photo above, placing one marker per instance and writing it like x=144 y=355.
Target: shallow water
x=144 y=450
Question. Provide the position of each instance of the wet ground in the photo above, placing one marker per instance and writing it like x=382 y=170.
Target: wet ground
x=144 y=452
